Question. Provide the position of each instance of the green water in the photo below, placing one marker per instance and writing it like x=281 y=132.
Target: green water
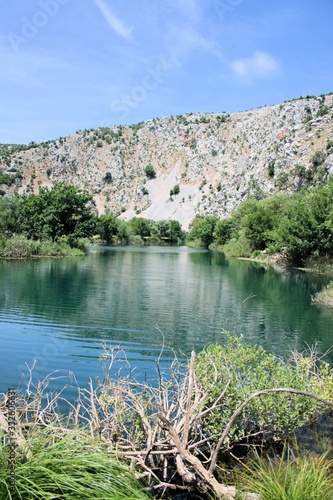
x=59 y=311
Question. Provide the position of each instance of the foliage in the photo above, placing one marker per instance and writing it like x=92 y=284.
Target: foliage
x=150 y=171
x=108 y=227
x=239 y=369
x=282 y=181
x=141 y=227
x=175 y=190
x=10 y=207
x=238 y=247
x=61 y=211
x=318 y=158
x=71 y=467
x=19 y=247
x=169 y=230
x=226 y=229
x=322 y=111
x=170 y=428
x=202 y=230
x=9 y=179
x=289 y=477
x=299 y=226
x=271 y=168
x=108 y=177
x=325 y=296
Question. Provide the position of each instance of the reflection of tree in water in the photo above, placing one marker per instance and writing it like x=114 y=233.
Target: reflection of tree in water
x=122 y=294
x=268 y=306
x=48 y=288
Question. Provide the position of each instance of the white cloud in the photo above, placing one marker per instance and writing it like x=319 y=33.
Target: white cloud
x=260 y=64
x=113 y=20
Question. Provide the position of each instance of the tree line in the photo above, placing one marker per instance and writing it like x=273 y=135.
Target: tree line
x=67 y=213
x=299 y=225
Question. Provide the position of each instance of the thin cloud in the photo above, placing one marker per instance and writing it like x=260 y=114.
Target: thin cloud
x=260 y=64
x=116 y=24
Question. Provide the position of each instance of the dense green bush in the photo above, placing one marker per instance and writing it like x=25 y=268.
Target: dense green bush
x=318 y=158
x=61 y=211
x=299 y=225
x=108 y=227
x=150 y=171
x=239 y=369
x=202 y=230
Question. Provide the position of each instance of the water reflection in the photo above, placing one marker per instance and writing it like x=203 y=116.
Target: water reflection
x=60 y=310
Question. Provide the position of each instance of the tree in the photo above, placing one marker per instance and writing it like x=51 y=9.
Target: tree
x=108 y=227
x=225 y=229
x=10 y=207
x=170 y=230
x=150 y=171
x=64 y=210
x=202 y=229
x=141 y=227
x=108 y=177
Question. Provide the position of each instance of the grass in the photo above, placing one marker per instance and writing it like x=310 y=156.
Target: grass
x=71 y=467
x=291 y=478
x=325 y=297
x=19 y=247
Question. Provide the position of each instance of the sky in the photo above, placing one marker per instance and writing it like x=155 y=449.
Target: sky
x=68 y=65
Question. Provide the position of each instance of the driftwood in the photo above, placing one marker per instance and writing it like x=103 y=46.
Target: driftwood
x=158 y=428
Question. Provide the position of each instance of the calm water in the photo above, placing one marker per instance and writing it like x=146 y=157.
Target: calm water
x=59 y=311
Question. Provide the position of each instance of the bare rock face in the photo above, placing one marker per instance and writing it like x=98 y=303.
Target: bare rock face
x=202 y=163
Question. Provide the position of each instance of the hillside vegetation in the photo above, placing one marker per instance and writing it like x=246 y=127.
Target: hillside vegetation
x=177 y=167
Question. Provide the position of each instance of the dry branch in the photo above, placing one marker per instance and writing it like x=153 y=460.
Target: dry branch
x=161 y=429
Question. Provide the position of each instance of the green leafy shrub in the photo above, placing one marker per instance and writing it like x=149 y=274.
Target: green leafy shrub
x=108 y=177
x=318 y=158
x=238 y=247
x=240 y=369
x=322 y=111
x=150 y=171
x=202 y=230
x=175 y=190
x=271 y=168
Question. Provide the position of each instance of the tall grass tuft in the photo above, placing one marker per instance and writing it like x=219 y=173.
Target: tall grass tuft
x=19 y=247
x=71 y=467
x=291 y=478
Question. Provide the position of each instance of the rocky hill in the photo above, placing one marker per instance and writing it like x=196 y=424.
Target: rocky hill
x=178 y=166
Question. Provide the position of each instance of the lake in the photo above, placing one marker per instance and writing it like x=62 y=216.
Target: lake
x=59 y=311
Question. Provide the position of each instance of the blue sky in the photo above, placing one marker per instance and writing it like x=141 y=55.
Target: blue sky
x=67 y=65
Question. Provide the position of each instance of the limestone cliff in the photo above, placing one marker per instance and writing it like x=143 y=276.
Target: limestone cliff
x=216 y=159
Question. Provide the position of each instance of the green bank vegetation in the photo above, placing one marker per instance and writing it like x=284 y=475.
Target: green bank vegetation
x=71 y=465
x=63 y=220
x=289 y=477
x=298 y=226
x=176 y=433
x=296 y=230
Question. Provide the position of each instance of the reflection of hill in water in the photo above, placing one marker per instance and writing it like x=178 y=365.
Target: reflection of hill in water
x=121 y=294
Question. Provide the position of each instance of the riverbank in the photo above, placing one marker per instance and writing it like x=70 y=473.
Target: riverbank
x=320 y=266
x=19 y=247
x=172 y=436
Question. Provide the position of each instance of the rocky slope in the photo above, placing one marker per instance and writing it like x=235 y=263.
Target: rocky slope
x=216 y=159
